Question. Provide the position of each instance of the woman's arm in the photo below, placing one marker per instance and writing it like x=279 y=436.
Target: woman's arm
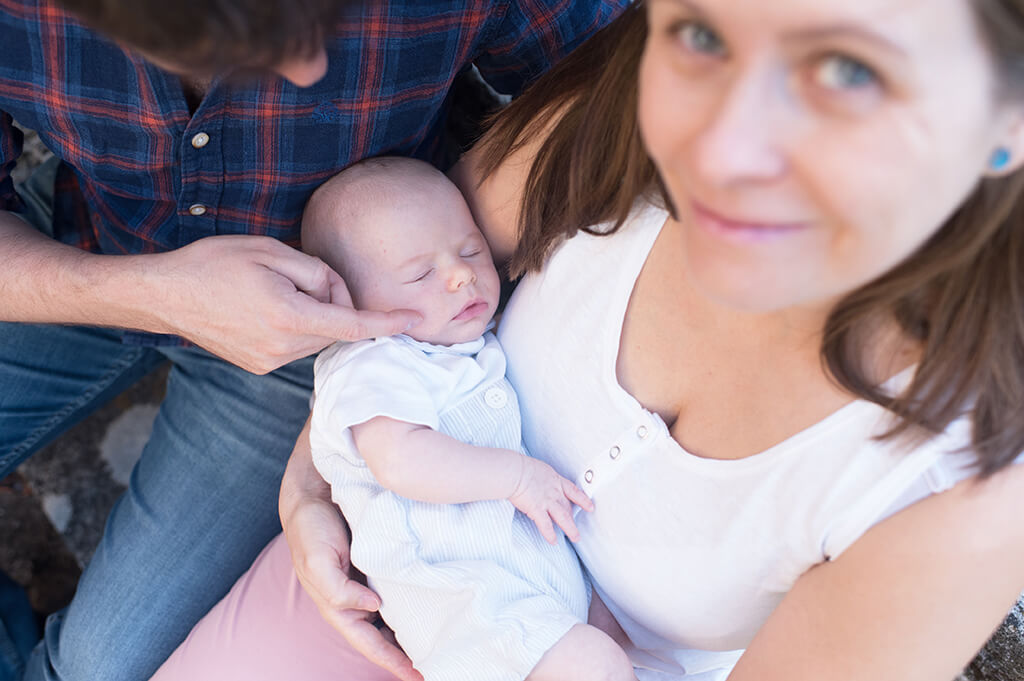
x=319 y=543
x=913 y=599
x=423 y=464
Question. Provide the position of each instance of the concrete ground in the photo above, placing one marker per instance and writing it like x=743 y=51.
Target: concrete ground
x=52 y=509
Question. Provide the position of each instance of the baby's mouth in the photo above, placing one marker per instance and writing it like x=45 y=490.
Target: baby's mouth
x=472 y=309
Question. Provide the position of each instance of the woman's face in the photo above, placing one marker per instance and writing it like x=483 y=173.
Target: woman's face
x=810 y=145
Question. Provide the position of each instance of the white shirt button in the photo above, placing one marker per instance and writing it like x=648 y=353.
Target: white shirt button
x=495 y=398
x=200 y=140
x=614 y=452
x=197 y=209
x=589 y=476
x=641 y=432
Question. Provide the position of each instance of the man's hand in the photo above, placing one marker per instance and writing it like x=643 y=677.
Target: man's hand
x=319 y=544
x=545 y=496
x=261 y=304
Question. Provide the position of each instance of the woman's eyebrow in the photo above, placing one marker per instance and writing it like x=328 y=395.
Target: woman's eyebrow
x=819 y=33
x=692 y=7
x=845 y=30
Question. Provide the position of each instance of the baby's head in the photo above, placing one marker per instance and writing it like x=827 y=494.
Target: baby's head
x=401 y=235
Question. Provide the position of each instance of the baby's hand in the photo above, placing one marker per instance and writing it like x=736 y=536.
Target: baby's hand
x=545 y=496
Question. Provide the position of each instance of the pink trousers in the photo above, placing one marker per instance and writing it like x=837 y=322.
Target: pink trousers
x=267 y=629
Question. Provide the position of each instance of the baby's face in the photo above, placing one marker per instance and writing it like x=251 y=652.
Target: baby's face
x=430 y=257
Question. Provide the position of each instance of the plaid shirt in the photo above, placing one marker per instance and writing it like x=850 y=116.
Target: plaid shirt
x=141 y=174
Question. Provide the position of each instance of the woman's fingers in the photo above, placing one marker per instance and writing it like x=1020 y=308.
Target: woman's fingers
x=342 y=595
x=368 y=640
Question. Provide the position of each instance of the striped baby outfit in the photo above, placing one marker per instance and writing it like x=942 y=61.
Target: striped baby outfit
x=472 y=591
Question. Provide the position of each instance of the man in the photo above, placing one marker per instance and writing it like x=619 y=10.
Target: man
x=191 y=135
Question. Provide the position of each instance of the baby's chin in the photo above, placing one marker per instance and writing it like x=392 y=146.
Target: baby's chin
x=452 y=333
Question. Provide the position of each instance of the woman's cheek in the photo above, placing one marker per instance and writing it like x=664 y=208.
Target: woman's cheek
x=647 y=99
x=671 y=111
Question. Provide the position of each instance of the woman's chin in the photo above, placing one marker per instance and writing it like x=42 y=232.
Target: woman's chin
x=749 y=290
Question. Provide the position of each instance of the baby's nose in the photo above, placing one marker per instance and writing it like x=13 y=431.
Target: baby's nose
x=461 y=275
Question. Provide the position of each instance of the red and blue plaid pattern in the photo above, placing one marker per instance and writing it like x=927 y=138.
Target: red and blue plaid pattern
x=136 y=174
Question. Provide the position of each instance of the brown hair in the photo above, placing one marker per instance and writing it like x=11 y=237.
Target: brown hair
x=961 y=294
x=212 y=35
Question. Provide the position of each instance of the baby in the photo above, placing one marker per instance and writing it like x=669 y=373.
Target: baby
x=419 y=437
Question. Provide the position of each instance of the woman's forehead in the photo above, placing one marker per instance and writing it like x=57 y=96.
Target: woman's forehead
x=797 y=20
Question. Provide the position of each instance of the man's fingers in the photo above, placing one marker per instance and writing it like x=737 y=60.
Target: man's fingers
x=365 y=638
x=339 y=293
x=306 y=272
x=345 y=323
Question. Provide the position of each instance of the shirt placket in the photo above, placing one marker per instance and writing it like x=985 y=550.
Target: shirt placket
x=627 y=446
x=202 y=171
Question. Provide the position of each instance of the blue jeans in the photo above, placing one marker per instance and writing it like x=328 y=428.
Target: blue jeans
x=201 y=503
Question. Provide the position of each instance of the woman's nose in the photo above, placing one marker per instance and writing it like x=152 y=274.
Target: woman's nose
x=459 y=276
x=744 y=138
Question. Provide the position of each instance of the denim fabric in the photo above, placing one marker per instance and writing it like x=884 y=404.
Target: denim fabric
x=201 y=501
x=17 y=628
x=200 y=505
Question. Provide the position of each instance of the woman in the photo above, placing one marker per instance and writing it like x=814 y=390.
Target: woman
x=778 y=372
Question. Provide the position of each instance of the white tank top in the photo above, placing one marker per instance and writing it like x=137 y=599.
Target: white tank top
x=691 y=554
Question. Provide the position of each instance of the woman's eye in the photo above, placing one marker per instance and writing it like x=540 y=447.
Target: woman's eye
x=839 y=72
x=470 y=254
x=699 y=38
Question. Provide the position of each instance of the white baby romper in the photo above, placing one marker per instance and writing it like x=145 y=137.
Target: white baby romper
x=472 y=591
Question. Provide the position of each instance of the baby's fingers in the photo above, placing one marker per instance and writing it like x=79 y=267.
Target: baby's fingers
x=547 y=530
x=562 y=515
x=576 y=495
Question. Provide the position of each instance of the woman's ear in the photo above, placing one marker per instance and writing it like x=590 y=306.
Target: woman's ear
x=1007 y=156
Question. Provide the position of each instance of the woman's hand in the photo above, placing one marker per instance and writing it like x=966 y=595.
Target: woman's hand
x=319 y=543
x=545 y=496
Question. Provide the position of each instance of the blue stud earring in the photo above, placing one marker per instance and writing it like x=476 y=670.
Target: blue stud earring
x=1000 y=159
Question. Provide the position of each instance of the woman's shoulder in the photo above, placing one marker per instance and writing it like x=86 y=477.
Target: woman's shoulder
x=647 y=214
x=925 y=467
x=611 y=239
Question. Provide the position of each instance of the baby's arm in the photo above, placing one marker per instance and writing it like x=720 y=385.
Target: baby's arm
x=422 y=464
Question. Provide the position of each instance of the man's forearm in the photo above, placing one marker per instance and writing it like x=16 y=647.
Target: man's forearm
x=42 y=280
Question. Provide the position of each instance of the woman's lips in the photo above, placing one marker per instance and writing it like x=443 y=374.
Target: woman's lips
x=741 y=228
x=472 y=309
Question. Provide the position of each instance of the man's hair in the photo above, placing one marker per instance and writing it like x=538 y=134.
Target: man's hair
x=213 y=35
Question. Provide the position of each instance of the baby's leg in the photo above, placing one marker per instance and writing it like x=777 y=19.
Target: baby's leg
x=585 y=653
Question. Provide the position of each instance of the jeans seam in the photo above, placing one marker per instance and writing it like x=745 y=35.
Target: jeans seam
x=97 y=387
x=9 y=654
